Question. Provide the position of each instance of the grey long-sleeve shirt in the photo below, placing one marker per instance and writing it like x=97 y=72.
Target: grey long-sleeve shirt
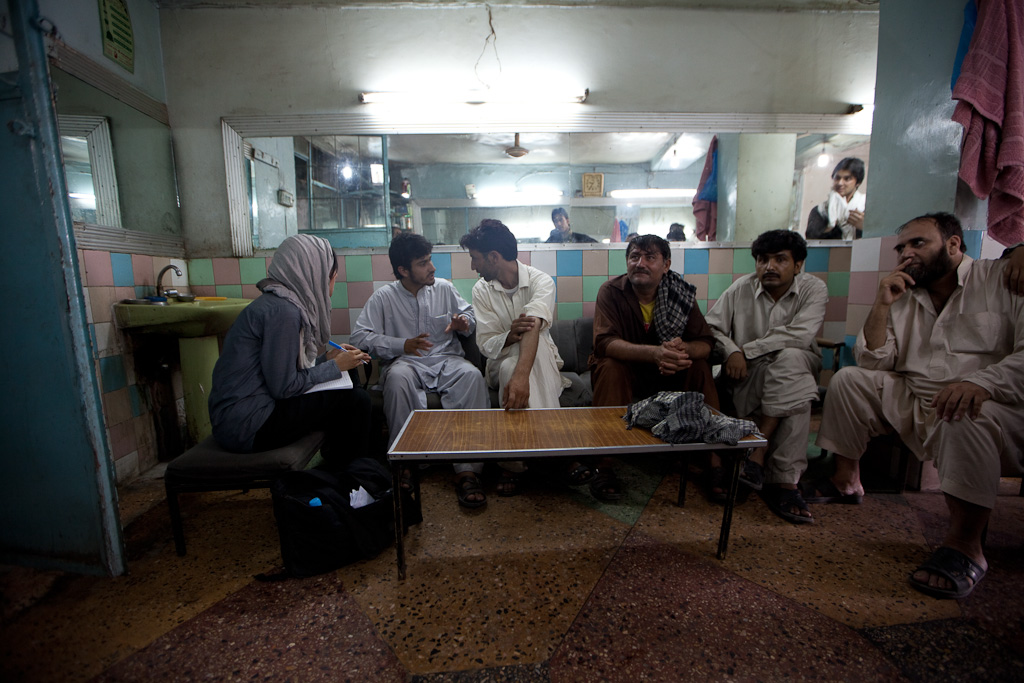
x=259 y=366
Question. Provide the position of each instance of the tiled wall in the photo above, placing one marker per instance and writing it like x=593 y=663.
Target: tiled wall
x=578 y=273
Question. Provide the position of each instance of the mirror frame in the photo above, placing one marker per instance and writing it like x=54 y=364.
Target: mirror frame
x=235 y=128
x=96 y=131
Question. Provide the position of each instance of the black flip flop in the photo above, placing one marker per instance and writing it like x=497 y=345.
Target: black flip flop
x=824 y=491
x=779 y=500
x=963 y=572
x=467 y=486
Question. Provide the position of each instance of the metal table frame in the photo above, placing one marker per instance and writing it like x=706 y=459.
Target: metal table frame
x=401 y=459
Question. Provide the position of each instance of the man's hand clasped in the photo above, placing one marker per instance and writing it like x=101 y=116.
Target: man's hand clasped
x=672 y=356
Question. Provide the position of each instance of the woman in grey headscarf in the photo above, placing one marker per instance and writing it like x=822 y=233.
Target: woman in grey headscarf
x=271 y=358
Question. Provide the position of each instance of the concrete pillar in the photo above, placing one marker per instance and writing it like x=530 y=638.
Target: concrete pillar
x=764 y=180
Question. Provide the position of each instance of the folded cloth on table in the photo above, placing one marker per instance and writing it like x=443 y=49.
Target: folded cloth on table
x=682 y=417
x=648 y=412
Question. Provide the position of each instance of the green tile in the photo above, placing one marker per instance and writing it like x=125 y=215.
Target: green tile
x=200 y=271
x=569 y=311
x=231 y=291
x=252 y=270
x=465 y=287
x=358 y=268
x=592 y=283
x=616 y=262
x=340 y=297
x=839 y=284
x=742 y=261
x=702 y=304
x=718 y=283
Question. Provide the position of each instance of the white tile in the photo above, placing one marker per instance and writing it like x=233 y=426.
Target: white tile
x=353 y=316
x=990 y=248
x=175 y=280
x=378 y=284
x=108 y=340
x=546 y=261
x=678 y=257
x=866 y=254
x=127 y=467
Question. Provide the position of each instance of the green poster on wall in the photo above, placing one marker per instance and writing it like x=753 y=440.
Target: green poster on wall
x=118 y=39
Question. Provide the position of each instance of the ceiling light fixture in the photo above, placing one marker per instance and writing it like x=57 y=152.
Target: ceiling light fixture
x=474 y=97
x=654 y=193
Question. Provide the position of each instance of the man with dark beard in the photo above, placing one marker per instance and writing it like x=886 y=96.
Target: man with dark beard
x=941 y=362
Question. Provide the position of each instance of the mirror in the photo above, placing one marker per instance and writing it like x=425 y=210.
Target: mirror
x=444 y=184
x=123 y=154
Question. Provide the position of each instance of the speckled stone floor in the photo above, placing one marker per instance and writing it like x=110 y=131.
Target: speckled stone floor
x=546 y=586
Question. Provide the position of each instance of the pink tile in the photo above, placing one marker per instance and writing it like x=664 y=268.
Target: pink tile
x=250 y=292
x=122 y=439
x=226 y=272
x=525 y=257
x=887 y=258
x=588 y=309
x=340 y=323
x=342 y=268
x=460 y=265
x=116 y=407
x=595 y=262
x=569 y=289
x=701 y=283
x=142 y=270
x=99 y=272
x=856 y=314
x=125 y=293
x=720 y=260
x=863 y=287
x=380 y=265
x=835 y=309
x=204 y=290
x=359 y=293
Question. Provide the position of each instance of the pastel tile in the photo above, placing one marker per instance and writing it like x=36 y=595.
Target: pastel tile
x=353 y=316
x=380 y=267
x=117 y=406
x=991 y=249
x=817 y=260
x=203 y=290
x=718 y=283
x=462 y=265
x=107 y=339
x=865 y=253
x=230 y=291
x=863 y=287
x=569 y=262
x=340 y=297
x=589 y=307
x=358 y=268
x=835 y=309
x=569 y=289
x=340 y=322
x=547 y=262
x=835 y=329
x=856 y=314
x=101 y=302
x=595 y=262
x=616 y=262
x=887 y=258
x=112 y=375
x=742 y=261
x=442 y=265
x=137 y=400
x=696 y=261
x=126 y=467
x=98 y=270
x=200 y=272
x=591 y=285
x=525 y=257
x=701 y=283
x=678 y=260
x=252 y=270
x=839 y=259
x=142 y=270
x=706 y=305
x=178 y=281
x=838 y=284
x=569 y=311
x=226 y=271
x=465 y=287
x=121 y=269
x=721 y=260
x=253 y=292
x=359 y=293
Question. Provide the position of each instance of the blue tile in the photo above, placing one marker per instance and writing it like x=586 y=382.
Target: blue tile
x=112 y=373
x=695 y=262
x=817 y=260
x=443 y=264
x=121 y=265
x=570 y=262
x=136 y=400
x=972 y=241
x=847 y=354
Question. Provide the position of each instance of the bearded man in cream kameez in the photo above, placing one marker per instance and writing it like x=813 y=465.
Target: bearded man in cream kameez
x=941 y=362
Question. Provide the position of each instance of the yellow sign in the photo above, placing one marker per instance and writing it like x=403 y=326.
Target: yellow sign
x=118 y=39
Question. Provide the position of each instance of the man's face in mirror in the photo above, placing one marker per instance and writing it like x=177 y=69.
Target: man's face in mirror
x=561 y=222
x=845 y=184
x=484 y=264
x=645 y=268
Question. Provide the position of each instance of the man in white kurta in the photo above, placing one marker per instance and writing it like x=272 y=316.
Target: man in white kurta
x=411 y=326
x=765 y=325
x=941 y=362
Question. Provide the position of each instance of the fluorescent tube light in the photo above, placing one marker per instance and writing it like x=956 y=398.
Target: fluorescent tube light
x=474 y=97
x=654 y=193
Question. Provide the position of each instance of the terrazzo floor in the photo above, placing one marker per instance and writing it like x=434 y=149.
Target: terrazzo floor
x=546 y=586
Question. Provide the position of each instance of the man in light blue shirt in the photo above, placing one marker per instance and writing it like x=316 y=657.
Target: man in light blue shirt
x=410 y=325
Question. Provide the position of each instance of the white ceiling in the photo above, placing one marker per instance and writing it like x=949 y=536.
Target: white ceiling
x=760 y=5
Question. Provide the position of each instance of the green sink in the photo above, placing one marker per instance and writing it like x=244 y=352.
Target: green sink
x=180 y=319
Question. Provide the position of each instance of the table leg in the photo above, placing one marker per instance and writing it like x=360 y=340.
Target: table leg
x=685 y=464
x=396 y=488
x=737 y=458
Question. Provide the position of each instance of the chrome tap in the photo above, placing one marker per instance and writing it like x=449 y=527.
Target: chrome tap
x=160 y=278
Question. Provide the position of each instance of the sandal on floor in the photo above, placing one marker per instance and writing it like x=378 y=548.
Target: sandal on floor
x=607 y=486
x=714 y=478
x=509 y=484
x=752 y=475
x=405 y=481
x=952 y=565
x=579 y=474
x=780 y=501
x=824 y=491
x=467 y=486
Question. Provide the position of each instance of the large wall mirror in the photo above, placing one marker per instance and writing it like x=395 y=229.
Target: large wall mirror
x=118 y=161
x=359 y=190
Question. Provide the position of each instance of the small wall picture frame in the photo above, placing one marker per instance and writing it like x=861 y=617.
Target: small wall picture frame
x=593 y=184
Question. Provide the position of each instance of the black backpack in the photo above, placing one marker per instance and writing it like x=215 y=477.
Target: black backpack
x=319 y=530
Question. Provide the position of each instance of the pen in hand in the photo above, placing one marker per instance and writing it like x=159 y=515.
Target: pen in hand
x=342 y=348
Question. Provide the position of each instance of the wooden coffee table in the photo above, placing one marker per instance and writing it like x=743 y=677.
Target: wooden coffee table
x=451 y=436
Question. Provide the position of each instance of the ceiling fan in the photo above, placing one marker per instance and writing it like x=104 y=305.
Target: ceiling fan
x=515 y=151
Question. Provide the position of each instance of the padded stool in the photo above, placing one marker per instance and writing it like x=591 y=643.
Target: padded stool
x=208 y=467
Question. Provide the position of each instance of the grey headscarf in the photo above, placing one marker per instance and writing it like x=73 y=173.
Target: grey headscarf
x=300 y=272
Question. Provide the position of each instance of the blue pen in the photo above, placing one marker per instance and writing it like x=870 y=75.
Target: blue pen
x=340 y=347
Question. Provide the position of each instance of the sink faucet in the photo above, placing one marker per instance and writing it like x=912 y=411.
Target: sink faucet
x=160 y=278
